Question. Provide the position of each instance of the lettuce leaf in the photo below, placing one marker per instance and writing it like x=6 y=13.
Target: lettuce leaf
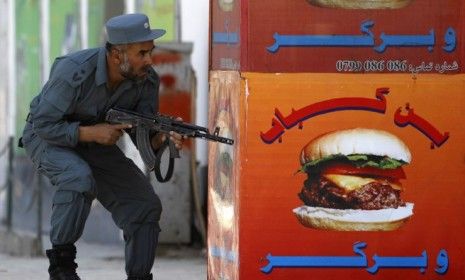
x=358 y=160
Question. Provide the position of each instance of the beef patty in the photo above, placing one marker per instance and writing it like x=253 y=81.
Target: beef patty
x=372 y=196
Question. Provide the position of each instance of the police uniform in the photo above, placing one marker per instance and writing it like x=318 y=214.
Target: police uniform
x=76 y=94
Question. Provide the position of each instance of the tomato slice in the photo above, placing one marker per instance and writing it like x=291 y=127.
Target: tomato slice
x=368 y=171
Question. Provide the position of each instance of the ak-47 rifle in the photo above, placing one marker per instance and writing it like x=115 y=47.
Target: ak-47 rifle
x=145 y=126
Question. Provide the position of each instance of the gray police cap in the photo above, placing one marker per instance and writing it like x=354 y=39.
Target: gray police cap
x=131 y=28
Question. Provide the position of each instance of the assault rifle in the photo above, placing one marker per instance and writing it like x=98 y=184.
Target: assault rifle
x=145 y=126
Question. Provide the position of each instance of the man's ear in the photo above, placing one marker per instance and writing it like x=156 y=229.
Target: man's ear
x=114 y=56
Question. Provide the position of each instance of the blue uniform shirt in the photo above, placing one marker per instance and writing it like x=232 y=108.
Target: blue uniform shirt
x=77 y=94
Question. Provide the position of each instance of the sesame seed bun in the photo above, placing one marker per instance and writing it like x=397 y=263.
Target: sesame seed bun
x=356 y=141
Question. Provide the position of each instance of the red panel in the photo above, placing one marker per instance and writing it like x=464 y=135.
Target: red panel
x=260 y=20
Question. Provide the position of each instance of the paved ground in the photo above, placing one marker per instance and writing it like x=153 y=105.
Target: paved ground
x=107 y=263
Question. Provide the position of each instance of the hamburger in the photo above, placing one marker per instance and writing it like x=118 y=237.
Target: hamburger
x=361 y=4
x=354 y=181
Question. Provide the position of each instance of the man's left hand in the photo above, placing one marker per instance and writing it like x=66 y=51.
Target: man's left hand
x=176 y=138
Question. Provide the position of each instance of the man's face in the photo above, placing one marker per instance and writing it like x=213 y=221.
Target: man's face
x=136 y=60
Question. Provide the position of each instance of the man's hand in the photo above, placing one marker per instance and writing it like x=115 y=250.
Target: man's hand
x=176 y=138
x=102 y=133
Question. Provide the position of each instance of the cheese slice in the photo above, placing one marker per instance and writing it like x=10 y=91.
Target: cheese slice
x=350 y=183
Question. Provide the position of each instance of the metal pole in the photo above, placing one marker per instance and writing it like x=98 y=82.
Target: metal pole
x=11 y=67
x=129 y=6
x=83 y=15
x=45 y=39
x=9 y=190
x=39 y=213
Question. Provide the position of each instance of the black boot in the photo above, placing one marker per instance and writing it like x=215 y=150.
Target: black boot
x=148 y=277
x=62 y=265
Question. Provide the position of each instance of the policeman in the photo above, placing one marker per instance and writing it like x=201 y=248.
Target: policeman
x=68 y=141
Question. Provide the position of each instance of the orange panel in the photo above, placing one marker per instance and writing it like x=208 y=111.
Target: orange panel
x=268 y=183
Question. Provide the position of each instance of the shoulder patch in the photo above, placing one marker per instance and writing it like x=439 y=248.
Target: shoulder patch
x=75 y=68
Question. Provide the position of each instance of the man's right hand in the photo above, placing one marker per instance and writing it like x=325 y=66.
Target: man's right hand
x=102 y=133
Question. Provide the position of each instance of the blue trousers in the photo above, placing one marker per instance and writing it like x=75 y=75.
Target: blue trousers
x=103 y=172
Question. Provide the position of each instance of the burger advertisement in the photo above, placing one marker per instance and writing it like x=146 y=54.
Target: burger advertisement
x=338 y=177
x=350 y=154
x=353 y=181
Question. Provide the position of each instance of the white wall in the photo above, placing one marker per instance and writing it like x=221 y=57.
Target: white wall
x=194 y=28
x=3 y=78
x=6 y=106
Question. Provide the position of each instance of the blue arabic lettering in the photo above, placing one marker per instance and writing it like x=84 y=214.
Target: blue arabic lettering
x=223 y=253
x=365 y=40
x=442 y=261
x=406 y=41
x=360 y=261
x=450 y=40
x=318 y=261
x=225 y=37
x=399 y=262
x=326 y=40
